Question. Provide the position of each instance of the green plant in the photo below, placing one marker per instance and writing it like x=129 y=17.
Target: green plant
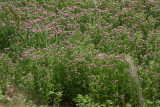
x=78 y=47
x=84 y=101
x=3 y=98
x=58 y=99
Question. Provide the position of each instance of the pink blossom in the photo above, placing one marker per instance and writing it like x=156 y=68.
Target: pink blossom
x=69 y=76
x=6 y=48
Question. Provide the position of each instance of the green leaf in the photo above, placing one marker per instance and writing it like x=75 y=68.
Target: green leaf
x=51 y=92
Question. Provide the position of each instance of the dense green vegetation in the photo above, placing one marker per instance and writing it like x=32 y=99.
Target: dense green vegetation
x=88 y=53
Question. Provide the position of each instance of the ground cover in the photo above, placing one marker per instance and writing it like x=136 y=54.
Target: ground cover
x=81 y=52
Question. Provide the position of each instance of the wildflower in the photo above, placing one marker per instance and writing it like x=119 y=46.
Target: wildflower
x=116 y=81
x=69 y=76
x=6 y=48
x=122 y=96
